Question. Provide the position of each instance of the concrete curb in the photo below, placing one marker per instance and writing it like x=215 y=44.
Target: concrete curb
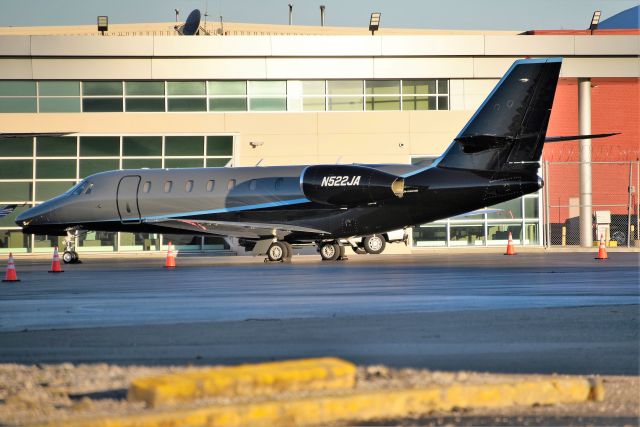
x=244 y=380
x=362 y=406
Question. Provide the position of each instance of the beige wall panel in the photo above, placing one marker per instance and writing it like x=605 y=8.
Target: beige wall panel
x=319 y=68
x=491 y=67
x=456 y=94
x=15 y=45
x=364 y=157
x=529 y=45
x=362 y=144
x=289 y=145
x=272 y=123
x=325 y=46
x=15 y=69
x=438 y=121
x=212 y=46
x=279 y=161
x=357 y=122
x=607 y=45
x=91 y=46
x=432 y=143
x=476 y=91
x=600 y=67
x=422 y=68
x=432 y=45
x=91 y=68
x=208 y=68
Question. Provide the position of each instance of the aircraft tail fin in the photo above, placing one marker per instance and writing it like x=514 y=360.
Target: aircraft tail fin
x=508 y=131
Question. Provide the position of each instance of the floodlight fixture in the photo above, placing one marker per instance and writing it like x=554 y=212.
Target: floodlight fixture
x=322 y=9
x=177 y=11
x=103 y=24
x=595 y=20
x=374 y=22
x=290 y=13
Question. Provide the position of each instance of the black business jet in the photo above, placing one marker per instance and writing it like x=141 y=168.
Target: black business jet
x=494 y=158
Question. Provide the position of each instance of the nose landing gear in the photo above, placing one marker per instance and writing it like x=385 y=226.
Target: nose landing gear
x=70 y=256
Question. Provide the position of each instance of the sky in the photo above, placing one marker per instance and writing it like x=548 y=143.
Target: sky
x=437 y=14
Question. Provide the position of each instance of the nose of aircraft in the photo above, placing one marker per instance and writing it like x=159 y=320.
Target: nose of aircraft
x=37 y=215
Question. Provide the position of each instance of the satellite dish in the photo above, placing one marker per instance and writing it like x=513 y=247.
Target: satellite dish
x=192 y=24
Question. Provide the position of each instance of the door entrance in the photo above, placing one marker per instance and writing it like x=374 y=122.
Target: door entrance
x=128 y=199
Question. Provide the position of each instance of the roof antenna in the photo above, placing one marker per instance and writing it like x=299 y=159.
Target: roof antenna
x=259 y=161
x=206 y=13
x=338 y=160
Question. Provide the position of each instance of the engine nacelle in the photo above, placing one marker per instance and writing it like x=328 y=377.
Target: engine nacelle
x=349 y=185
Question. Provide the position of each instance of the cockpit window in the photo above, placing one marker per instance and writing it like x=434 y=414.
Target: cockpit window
x=83 y=187
x=89 y=188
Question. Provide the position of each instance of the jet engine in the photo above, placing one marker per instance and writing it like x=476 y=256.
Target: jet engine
x=349 y=185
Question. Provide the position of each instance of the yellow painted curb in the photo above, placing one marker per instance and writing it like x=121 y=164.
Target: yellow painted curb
x=359 y=406
x=244 y=380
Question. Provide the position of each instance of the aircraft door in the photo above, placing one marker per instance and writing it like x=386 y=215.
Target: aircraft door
x=128 y=199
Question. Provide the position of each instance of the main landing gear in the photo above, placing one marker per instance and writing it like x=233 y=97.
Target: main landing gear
x=279 y=252
x=331 y=251
x=70 y=256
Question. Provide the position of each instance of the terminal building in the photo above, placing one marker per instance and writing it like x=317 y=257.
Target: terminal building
x=142 y=96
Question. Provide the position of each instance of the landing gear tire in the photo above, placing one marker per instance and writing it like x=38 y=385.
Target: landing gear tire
x=289 y=252
x=278 y=252
x=374 y=244
x=329 y=251
x=70 y=257
x=343 y=256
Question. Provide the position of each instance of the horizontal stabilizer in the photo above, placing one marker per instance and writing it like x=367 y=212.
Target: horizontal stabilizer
x=575 y=137
x=7 y=210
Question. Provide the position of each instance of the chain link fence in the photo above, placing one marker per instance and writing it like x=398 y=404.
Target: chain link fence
x=615 y=203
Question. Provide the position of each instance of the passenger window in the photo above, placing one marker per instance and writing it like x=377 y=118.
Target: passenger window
x=252 y=185
x=231 y=184
x=146 y=187
x=211 y=184
x=167 y=186
x=188 y=186
x=279 y=182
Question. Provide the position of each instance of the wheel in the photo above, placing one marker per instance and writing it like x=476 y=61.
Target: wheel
x=289 y=250
x=277 y=251
x=342 y=254
x=76 y=258
x=329 y=251
x=374 y=244
x=68 y=258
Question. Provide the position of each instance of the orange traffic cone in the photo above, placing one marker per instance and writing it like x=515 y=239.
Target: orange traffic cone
x=510 y=248
x=55 y=264
x=11 y=275
x=602 y=252
x=171 y=259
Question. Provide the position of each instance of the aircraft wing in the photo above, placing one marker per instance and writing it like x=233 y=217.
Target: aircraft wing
x=247 y=230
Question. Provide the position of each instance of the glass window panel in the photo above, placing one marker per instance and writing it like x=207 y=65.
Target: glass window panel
x=13 y=241
x=430 y=235
x=466 y=235
x=144 y=88
x=59 y=88
x=384 y=87
x=51 y=146
x=144 y=104
x=344 y=87
x=16 y=169
x=443 y=103
x=91 y=166
x=183 y=163
x=221 y=145
x=227 y=88
x=142 y=145
x=187 y=104
x=271 y=87
x=17 y=105
x=15 y=191
x=499 y=233
x=531 y=207
x=313 y=87
x=10 y=220
x=51 y=169
x=186 y=88
x=17 y=88
x=421 y=87
x=59 y=105
x=16 y=147
x=184 y=146
x=99 y=146
x=97 y=241
x=531 y=235
x=443 y=86
x=228 y=104
x=511 y=209
x=141 y=163
x=313 y=104
x=345 y=103
x=217 y=163
x=383 y=103
x=49 y=190
x=418 y=102
x=101 y=88
x=268 y=104
x=101 y=105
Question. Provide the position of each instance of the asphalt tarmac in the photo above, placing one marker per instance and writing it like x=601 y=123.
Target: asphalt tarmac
x=535 y=312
